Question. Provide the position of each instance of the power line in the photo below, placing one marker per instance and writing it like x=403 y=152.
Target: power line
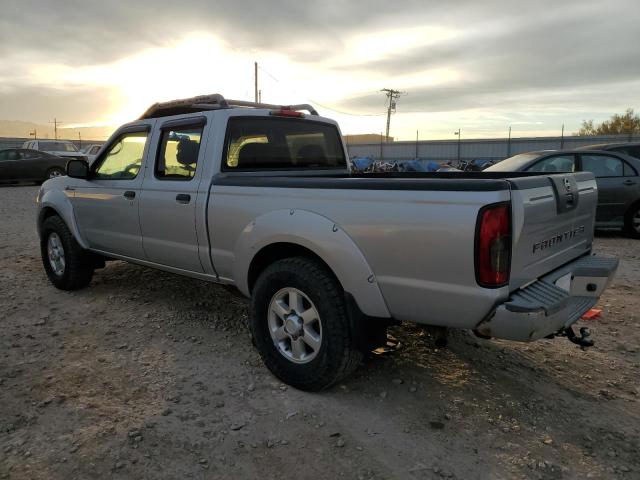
x=325 y=106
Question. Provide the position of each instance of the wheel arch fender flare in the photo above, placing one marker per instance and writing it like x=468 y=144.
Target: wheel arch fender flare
x=325 y=239
x=56 y=202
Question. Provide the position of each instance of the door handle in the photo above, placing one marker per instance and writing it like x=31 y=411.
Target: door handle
x=183 y=198
x=130 y=194
x=629 y=182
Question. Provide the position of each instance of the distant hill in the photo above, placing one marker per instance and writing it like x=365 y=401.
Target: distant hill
x=20 y=129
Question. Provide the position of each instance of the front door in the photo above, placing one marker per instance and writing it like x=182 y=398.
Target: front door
x=106 y=205
x=169 y=196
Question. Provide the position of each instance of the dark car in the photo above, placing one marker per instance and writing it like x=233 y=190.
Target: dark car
x=616 y=176
x=21 y=164
x=630 y=148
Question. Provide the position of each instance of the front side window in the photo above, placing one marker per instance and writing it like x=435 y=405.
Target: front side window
x=603 y=165
x=27 y=154
x=123 y=159
x=556 y=163
x=256 y=143
x=178 y=153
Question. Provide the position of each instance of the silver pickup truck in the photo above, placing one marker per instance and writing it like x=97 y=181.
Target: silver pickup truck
x=260 y=197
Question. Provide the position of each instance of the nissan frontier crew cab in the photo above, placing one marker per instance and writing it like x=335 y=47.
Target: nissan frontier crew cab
x=260 y=197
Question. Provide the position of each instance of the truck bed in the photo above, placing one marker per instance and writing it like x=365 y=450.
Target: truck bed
x=415 y=230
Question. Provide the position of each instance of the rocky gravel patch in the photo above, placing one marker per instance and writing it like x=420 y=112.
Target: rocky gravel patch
x=149 y=375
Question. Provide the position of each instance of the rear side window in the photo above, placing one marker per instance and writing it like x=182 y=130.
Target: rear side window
x=178 y=153
x=557 y=163
x=257 y=143
x=603 y=165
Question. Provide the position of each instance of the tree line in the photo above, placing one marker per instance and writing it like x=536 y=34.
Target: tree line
x=625 y=123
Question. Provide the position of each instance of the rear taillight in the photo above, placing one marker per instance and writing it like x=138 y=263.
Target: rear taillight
x=493 y=245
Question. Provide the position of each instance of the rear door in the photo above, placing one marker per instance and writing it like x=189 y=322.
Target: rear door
x=169 y=194
x=553 y=222
x=9 y=164
x=615 y=190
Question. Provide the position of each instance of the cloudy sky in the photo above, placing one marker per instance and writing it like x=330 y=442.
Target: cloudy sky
x=477 y=65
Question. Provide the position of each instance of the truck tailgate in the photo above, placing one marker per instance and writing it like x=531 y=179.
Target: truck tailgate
x=553 y=221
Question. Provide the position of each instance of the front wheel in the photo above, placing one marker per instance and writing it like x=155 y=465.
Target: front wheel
x=67 y=264
x=300 y=324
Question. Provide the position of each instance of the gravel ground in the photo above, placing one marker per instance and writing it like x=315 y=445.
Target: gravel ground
x=150 y=375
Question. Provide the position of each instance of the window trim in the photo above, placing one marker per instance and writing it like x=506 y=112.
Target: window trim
x=119 y=134
x=607 y=154
x=227 y=137
x=181 y=125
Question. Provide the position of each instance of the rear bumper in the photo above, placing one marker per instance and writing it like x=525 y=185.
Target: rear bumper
x=551 y=303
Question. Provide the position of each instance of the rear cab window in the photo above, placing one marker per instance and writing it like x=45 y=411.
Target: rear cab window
x=267 y=143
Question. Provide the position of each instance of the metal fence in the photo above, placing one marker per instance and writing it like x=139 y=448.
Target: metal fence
x=481 y=149
x=438 y=150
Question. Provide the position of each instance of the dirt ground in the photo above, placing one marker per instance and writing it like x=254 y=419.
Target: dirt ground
x=150 y=375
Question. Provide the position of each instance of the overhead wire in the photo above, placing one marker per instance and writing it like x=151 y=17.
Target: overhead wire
x=322 y=105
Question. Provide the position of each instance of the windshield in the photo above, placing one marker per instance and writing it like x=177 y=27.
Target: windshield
x=513 y=164
x=57 y=147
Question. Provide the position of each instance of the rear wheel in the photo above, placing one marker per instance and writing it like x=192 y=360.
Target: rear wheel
x=67 y=264
x=632 y=221
x=300 y=324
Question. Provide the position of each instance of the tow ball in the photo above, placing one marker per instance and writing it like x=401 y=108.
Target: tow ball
x=583 y=339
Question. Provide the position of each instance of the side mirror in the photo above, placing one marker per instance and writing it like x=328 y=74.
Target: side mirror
x=78 y=169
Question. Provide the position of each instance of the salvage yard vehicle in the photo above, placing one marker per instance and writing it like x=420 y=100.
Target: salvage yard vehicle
x=616 y=176
x=261 y=197
x=24 y=165
x=60 y=148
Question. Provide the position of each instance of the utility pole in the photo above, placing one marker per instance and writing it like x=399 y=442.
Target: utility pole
x=55 y=122
x=255 y=81
x=509 y=143
x=416 y=144
x=392 y=95
x=458 y=134
x=79 y=141
x=562 y=138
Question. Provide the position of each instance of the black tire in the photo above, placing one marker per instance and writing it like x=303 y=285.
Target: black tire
x=337 y=356
x=632 y=213
x=78 y=269
x=54 y=172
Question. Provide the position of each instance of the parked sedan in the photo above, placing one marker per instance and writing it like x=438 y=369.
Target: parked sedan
x=20 y=164
x=630 y=148
x=616 y=176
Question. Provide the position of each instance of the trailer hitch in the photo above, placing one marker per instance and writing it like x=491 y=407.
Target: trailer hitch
x=583 y=340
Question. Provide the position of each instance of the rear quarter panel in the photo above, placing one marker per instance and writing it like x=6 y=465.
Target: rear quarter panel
x=418 y=243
